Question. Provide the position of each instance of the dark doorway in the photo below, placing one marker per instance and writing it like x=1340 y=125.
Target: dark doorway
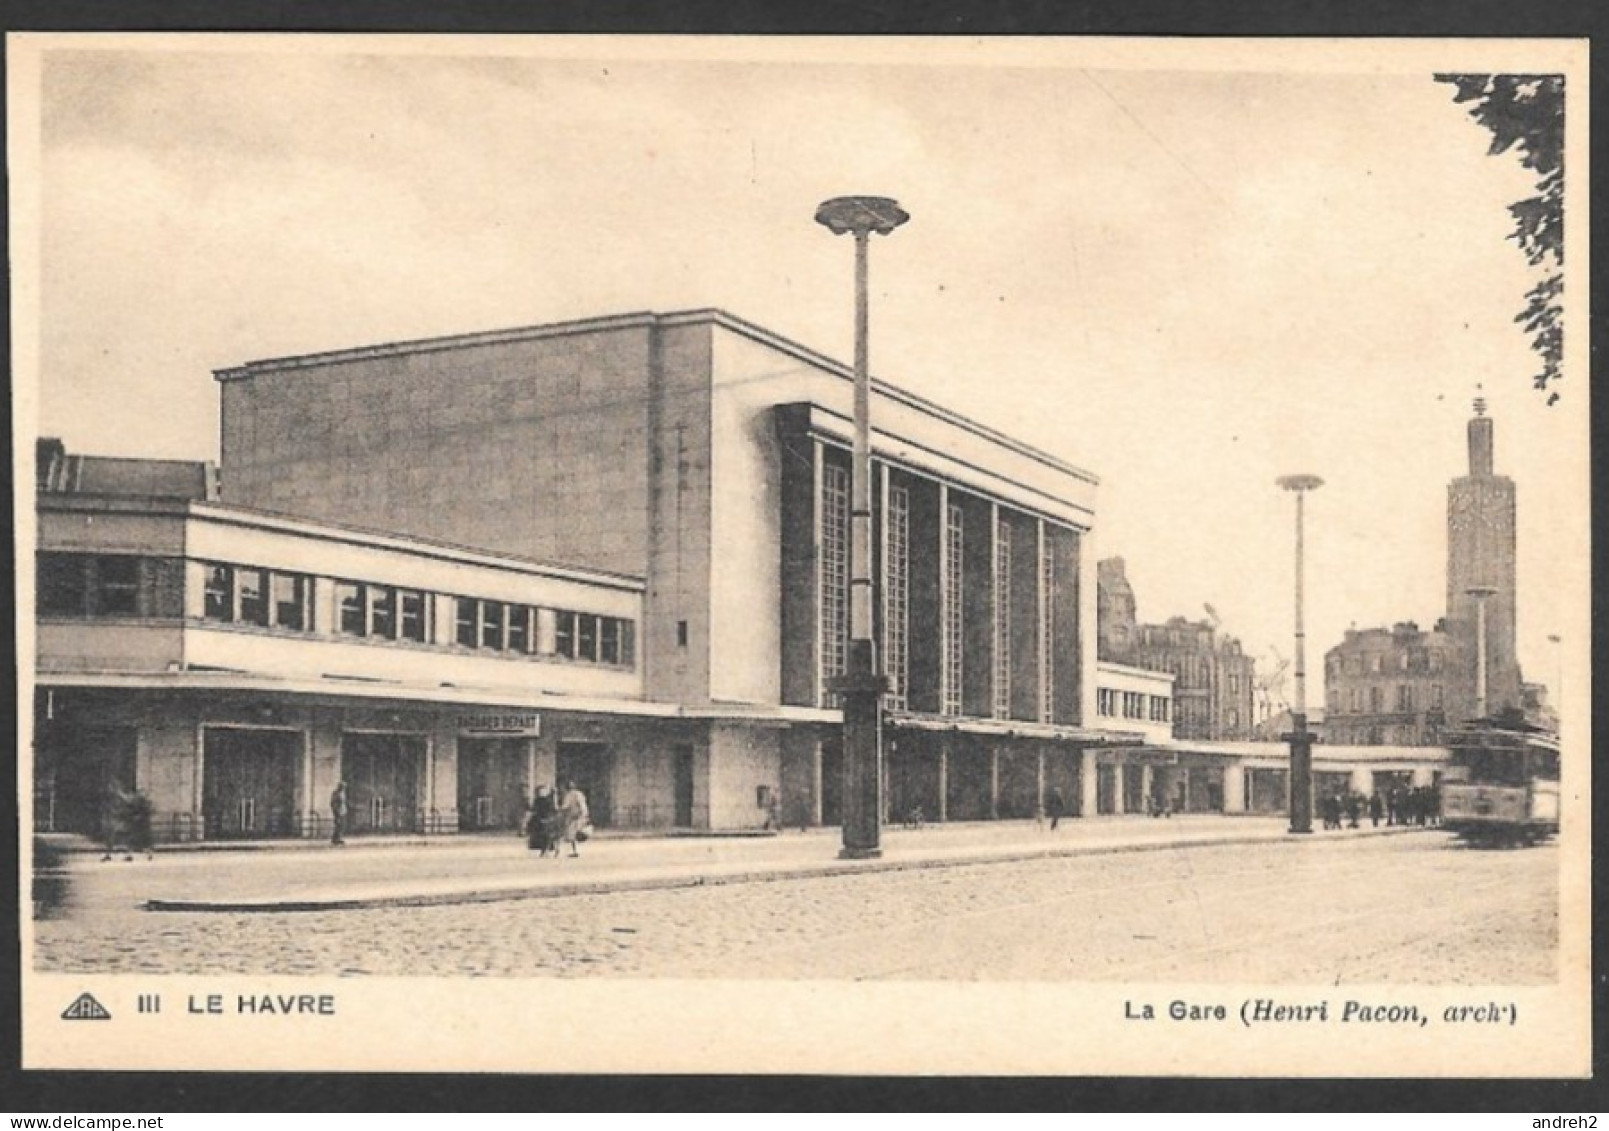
x=588 y=765
x=492 y=790
x=78 y=766
x=249 y=782
x=382 y=780
x=683 y=769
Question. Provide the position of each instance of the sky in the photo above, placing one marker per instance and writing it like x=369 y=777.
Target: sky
x=1187 y=273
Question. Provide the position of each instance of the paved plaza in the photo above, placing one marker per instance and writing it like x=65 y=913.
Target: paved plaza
x=1199 y=899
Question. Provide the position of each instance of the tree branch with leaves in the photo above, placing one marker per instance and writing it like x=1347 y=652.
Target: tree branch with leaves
x=1525 y=113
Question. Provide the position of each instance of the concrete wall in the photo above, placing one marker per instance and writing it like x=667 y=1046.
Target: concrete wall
x=289 y=655
x=74 y=526
x=745 y=526
x=106 y=646
x=535 y=445
x=741 y=759
x=678 y=504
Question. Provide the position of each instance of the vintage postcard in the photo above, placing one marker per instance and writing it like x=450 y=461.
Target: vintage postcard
x=1054 y=557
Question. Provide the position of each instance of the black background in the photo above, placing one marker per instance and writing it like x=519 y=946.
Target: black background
x=49 y=1093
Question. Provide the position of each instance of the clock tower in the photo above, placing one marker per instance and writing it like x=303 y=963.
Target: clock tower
x=1481 y=559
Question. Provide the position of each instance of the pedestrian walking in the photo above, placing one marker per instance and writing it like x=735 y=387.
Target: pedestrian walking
x=1055 y=806
x=1394 y=806
x=543 y=822
x=1376 y=807
x=115 y=824
x=1354 y=805
x=338 y=813
x=577 y=818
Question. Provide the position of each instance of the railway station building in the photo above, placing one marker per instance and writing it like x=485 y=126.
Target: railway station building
x=611 y=551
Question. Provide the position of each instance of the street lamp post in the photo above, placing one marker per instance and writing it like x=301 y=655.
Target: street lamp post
x=861 y=687
x=1300 y=739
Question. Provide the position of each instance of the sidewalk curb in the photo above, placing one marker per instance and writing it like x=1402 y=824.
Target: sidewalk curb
x=551 y=890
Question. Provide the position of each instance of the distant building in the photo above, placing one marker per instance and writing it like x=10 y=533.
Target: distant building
x=1117 y=626
x=1212 y=688
x=1395 y=686
x=1282 y=722
x=1403 y=686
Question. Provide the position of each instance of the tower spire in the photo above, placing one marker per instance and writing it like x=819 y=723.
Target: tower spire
x=1480 y=440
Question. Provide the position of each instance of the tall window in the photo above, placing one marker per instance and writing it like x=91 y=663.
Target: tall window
x=1002 y=620
x=586 y=638
x=1105 y=701
x=252 y=591
x=1377 y=699
x=834 y=571
x=413 y=620
x=351 y=602
x=382 y=611
x=896 y=594
x=491 y=625
x=519 y=628
x=1404 y=696
x=467 y=622
x=118 y=585
x=950 y=599
x=218 y=599
x=290 y=601
x=1047 y=630
x=63 y=585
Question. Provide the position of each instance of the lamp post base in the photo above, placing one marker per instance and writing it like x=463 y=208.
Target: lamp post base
x=861 y=690
x=1301 y=742
x=860 y=853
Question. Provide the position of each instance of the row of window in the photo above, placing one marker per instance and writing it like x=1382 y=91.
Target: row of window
x=1356 y=702
x=501 y=626
x=1407 y=660
x=120 y=585
x=88 y=585
x=1134 y=705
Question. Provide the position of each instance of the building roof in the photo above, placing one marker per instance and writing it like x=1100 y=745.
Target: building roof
x=710 y=315
x=60 y=473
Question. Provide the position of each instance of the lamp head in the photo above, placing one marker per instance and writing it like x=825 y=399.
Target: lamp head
x=1300 y=482
x=861 y=214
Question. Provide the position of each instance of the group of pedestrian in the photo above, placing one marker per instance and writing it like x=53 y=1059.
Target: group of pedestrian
x=554 y=821
x=1345 y=807
x=1420 y=805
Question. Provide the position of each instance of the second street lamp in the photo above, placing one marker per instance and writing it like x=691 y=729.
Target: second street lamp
x=1300 y=739
x=861 y=686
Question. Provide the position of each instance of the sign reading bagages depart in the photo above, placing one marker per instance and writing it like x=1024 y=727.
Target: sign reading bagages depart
x=502 y=725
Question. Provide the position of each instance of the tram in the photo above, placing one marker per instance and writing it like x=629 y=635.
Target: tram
x=1502 y=784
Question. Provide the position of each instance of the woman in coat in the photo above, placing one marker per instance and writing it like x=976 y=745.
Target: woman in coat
x=542 y=823
x=576 y=817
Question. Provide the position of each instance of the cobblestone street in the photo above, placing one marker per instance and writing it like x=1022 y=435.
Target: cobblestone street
x=1415 y=908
